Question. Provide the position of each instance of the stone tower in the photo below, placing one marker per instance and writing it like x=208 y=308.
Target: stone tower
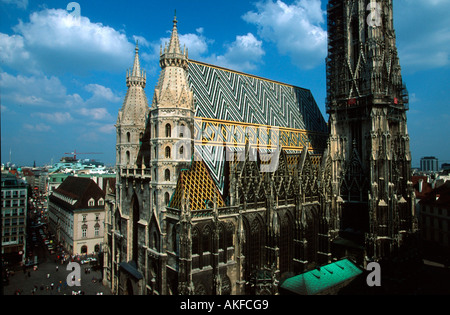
x=172 y=122
x=367 y=103
x=131 y=121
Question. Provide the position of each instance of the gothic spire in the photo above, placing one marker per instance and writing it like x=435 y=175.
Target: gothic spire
x=135 y=76
x=172 y=55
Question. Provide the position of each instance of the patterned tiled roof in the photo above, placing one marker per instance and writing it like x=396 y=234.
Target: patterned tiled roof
x=226 y=99
x=198 y=187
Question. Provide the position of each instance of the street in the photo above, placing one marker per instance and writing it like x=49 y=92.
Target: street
x=50 y=275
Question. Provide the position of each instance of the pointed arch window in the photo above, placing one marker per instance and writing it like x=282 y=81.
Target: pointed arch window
x=182 y=152
x=168 y=131
x=167 y=198
x=167 y=175
x=128 y=137
x=167 y=152
x=128 y=157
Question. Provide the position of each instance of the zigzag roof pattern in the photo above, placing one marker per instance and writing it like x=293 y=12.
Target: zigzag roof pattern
x=231 y=96
x=235 y=96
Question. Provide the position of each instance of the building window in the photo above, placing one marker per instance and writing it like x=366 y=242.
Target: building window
x=182 y=131
x=101 y=202
x=181 y=152
x=128 y=137
x=167 y=175
x=168 y=131
x=84 y=232
x=97 y=230
x=167 y=152
x=128 y=157
x=167 y=198
x=91 y=202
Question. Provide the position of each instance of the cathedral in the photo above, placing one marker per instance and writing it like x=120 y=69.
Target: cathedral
x=228 y=183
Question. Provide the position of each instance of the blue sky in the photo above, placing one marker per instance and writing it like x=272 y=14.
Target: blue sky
x=62 y=83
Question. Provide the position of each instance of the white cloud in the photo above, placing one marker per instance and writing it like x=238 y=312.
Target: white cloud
x=46 y=98
x=297 y=29
x=243 y=54
x=53 y=42
x=196 y=43
x=21 y=4
x=57 y=117
x=32 y=90
x=102 y=93
x=95 y=113
x=37 y=127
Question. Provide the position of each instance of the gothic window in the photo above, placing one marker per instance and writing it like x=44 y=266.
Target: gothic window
x=166 y=198
x=154 y=241
x=167 y=152
x=286 y=244
x=155 y=152
x=128 y=157
x=182 y=130
x=195 y=242
x=206 y=247
x=181 y=152
x=167 y=175
x=174 y=238
x=135 y=219
x=128 y=137
x=168 y=131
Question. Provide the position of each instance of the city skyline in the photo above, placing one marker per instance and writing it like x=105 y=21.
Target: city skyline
x=63 y=78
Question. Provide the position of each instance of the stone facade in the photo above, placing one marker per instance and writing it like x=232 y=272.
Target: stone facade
x=237 y=182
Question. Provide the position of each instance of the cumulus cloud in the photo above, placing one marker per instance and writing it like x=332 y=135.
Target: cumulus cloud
x=101 y=92
x=53 y=41
x=297 y=29
x=57 y=117
x=196 y=43
x=244 y=54
x=23 y=90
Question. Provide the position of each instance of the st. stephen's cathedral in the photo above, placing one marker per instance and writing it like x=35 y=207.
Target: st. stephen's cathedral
x=228 y=182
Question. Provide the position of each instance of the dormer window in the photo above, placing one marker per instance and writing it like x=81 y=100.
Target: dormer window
x=91 y=202
x=101 y=202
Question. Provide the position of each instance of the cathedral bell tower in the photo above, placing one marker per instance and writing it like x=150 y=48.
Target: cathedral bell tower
x=367 y=103
x=132 y=117
x=172 y=122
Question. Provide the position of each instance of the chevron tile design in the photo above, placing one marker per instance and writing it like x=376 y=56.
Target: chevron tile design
x=228 y=96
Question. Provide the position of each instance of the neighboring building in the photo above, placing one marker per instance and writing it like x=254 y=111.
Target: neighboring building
x=429 y=164
x=435 y=221
x=230 y=182
x=76 y=215
x=14 y=204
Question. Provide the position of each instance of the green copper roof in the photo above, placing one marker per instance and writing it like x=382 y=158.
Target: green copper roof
x=318 y=280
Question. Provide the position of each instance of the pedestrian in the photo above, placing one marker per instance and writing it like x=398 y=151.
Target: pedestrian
x=56 y=268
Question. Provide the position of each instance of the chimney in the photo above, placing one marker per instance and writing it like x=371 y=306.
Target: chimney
x=420 y=185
